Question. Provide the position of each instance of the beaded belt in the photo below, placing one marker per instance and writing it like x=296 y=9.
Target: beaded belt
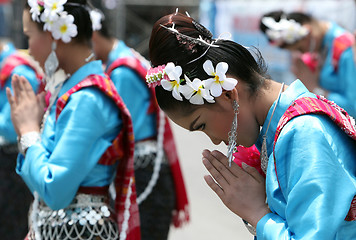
x=87 y=217
x=145 y=153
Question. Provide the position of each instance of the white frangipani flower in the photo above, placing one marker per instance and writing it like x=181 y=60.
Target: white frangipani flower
x=195 y=92
x=173 y=84
x=35 y=10
x=220 y=81
x=47 y=22
x=53 y=8
x=95 y=17
x=285 y=30
x=64 y=28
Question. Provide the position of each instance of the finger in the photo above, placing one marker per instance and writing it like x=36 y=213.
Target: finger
x=220 y=161
x=15 y=86
x=234 y=169
x=27 y=87
x=23 y=93
x=218 y=176
x=214 y=186
x=253 y=172
x=10 y=97
x=41 y=99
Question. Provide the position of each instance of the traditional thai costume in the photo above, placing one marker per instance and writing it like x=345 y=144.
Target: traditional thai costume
x=338 y=72
x=87 y=143
x=310 y=178
x=160 y=187
x=15 y=197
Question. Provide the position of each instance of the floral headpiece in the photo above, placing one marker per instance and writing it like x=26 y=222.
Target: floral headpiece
x=56 y=20
x=284 y=31
x=171 y=79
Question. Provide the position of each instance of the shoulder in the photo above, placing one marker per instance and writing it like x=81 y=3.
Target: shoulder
x=317 y=136
x=92 y=97
x=309 y=125
x=126 y=76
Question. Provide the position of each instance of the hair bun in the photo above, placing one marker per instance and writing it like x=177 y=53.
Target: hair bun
x=203 y=30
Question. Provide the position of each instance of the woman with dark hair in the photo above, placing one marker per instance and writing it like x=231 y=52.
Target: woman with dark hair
x=307 y=143
x=161 y=194
x=324 y=50
x=83 y=142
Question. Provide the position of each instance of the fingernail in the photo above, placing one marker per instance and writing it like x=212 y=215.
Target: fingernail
x=244 y=165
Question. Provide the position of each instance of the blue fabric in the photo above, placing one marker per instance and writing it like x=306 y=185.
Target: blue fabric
x=72 y=145
x=7 y=131
x=316 y=170
x=134 y=93
x=341 y=83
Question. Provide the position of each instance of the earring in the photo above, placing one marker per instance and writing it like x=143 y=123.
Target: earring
x=51 y=63
x=233 y=133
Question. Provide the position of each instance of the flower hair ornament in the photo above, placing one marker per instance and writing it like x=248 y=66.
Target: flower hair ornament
x=284 y=31
x=96 y=16
x=57 y=21
x=170 y=78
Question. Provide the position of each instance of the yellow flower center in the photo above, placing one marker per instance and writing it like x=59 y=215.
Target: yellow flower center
x=216 y=78
x=54 y=6
x=63 y=28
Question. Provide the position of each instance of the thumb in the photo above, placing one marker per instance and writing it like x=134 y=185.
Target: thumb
x=253 y=172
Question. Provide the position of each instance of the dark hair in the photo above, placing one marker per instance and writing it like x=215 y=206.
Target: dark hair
x=165 y=46
x=299 y=17
x=79 y=9
x=104 y=30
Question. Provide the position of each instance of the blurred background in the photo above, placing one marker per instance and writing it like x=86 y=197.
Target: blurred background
x=132 y=21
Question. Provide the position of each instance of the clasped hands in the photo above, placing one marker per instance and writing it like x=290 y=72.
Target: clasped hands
x=242 y=190
x=27 y=108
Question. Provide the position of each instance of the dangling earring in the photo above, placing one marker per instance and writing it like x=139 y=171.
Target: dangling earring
x=233 y=133
x=51 y=63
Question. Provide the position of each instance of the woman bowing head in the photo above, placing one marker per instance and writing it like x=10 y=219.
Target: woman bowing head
x=218 y=87
x=83 y=142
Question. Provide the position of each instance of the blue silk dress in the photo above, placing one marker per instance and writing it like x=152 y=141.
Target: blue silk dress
x=341 y=83
x=71 y=146
x=316 y=167
x=134 y=92
x=156 y=210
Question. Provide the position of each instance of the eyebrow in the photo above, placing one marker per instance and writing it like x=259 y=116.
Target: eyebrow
x=191 y=127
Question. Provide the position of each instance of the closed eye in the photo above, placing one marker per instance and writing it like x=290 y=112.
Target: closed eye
x=201 y=127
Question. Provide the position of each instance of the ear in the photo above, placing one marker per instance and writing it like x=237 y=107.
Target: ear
x=231 y=95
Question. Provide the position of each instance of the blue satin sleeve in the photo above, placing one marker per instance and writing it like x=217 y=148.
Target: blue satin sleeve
x=347 y=78
x=70 y=149
x=6 y=128
x=316 y=167
x=136 y=97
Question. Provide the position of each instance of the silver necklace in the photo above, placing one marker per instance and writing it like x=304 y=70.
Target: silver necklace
x=264 y=156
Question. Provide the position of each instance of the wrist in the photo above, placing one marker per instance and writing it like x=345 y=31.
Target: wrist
x=259 y=216
x=26 y=129
x=27 y=140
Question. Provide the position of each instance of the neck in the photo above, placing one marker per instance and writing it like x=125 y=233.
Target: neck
x=264 y=100
x=107 y=46
x=72 y=57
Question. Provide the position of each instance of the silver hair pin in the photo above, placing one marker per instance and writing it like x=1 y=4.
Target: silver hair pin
x=199 y=40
